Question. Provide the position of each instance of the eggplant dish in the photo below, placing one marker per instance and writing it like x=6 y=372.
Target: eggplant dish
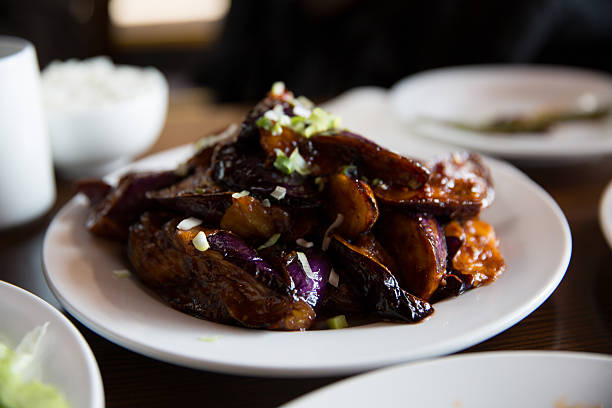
x=288 y=220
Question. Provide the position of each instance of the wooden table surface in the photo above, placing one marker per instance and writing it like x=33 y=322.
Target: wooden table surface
x=577 y=316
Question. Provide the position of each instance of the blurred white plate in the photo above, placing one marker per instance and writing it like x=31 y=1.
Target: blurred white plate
x=535 y=241
x=605 y=213
x=475 y=94
x=500 y=379
x=67 y=360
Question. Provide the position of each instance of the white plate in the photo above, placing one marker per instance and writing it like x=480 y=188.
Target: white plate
x=67 y=360
x=535 y=241
x=500 y=379
x=605 y=213
x=475 y=94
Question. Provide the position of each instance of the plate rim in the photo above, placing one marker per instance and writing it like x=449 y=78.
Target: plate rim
x=475 y=356
x=469 y=339
x=605 y=213
x=97 y=397
x=483 y=143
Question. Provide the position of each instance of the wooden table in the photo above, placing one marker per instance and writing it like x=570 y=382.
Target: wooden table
x=577 y=316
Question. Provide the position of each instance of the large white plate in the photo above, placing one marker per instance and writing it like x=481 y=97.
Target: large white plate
x=475 y=94
x=535 y=241
x=500 y=379
x=605 y=213
x=66 y=359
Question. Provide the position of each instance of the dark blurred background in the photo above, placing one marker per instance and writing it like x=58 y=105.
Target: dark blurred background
x=318 y=47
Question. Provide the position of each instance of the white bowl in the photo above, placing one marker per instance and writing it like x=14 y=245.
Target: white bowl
x=92 y=140
x=66 y=359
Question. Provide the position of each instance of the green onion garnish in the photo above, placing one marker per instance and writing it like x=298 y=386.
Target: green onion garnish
x=271 y=241
x=337 y=322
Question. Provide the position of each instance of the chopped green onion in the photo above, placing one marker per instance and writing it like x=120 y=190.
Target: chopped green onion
x=282 y=162
x=298 y=162
x=305 y=265
x=350 y=170
x=277 y=129
x=337 y=322
x=209 y=339
x=326 y=238
x=301 y=111
x=304 y=243
x=320 y=182
x=278 y=88
x=304 y=101
x=295 y=161
x=265 y=123
x=298 y=124
x=334 y=279
x=122 y=273
x=321 y=121
x=279 y=192
x=243 y=193
x=200 y=242
x=271 y=241
x=188 y=223
x=375 y=182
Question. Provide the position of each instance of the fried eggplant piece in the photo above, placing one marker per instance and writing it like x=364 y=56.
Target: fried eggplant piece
x=344 y=147
x=473 y=258
x=310 y=285
x=122 y=205
x=250 y=219
x=94 y=189
x=369 y=244
x=459 y=187
x=327 y=152
x=477 y=259
x=203 y=158
x=207 y=284
x=381 y=290
x=418 y=245
x=196 y=195
x=344 y=299
x=237 y=170
x=210 y=208
x=353 y=199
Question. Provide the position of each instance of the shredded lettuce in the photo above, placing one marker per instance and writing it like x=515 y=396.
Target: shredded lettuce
x=19 y=384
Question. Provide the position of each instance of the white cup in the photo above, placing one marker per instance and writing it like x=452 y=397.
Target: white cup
x=27 y=184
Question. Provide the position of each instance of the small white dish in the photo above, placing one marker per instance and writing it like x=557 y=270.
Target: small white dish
x=475 y=94
x=496 y=379
x=67 y=360
x=605 y=213
x=535 y=241
x=94 y=133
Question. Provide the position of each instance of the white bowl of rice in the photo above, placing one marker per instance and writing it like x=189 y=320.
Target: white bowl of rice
x=101 y=115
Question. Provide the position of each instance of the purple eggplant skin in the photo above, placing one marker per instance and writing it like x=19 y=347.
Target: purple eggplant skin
x=203 y=283
x=418 y=245
x=123 y=205
x=237 y=170
x=210 y=207
x=235 y=250
x=290 y=280
x=382 y=291
x=312 y=290
x=94 y=189
x=453 y=284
